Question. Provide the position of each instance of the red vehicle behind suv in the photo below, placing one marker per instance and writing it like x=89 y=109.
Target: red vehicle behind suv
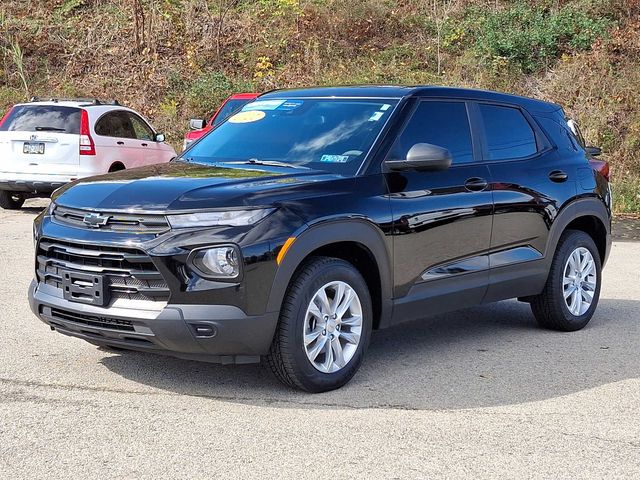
x=198 y=127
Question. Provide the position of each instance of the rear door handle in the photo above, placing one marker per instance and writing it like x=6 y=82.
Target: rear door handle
x=476 y=184
x=120 y=143
x=558 y=176
x=144 y=144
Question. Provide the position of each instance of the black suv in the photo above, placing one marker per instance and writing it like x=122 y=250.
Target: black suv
x=314 y=216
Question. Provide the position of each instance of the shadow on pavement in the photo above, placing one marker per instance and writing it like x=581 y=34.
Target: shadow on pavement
x=30 y=210
x=486 y=356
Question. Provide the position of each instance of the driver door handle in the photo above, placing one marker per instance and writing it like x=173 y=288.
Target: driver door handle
x=119 y=142
x=476 y=184
x=558 y=176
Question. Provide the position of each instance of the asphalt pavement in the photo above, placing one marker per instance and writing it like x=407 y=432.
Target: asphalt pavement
x=480 y=393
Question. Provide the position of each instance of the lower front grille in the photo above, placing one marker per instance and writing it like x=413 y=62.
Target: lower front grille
x=93 y=321
x=126 y=272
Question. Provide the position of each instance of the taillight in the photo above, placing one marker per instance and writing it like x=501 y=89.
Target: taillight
x=87 y=147
x=5 y=116
x=600 y=166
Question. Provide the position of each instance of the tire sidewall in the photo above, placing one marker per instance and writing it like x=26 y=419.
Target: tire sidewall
x=311 y=378
x=8 y=202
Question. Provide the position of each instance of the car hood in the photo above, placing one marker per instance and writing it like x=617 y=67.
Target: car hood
x=180 y=186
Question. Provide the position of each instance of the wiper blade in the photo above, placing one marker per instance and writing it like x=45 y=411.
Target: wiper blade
x=268 y=163
x=50 y=129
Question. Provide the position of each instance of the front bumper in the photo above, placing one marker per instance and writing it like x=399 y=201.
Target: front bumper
x=212 y=333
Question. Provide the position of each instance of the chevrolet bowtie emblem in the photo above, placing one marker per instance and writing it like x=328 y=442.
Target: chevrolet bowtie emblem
x=95 y=220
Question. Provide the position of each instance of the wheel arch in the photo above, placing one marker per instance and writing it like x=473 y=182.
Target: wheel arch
x=589 y=215
x=116 y=167
x=357 y=241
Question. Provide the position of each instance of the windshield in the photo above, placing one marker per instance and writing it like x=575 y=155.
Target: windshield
x=228 y=108
x=332 y=135
x=42 y=118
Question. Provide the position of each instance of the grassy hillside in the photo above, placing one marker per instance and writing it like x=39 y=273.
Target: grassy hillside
x=176 y=59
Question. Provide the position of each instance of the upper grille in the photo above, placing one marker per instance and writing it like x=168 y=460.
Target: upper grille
x=128 y=273
x=118 y=222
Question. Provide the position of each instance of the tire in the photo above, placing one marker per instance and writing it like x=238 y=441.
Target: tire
x=550 y=308
x=10 y=200
x=288 y=357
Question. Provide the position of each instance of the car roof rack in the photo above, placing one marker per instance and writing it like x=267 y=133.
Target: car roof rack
x=90 y=101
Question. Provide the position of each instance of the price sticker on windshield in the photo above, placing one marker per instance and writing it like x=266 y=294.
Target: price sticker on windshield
x=247 y=117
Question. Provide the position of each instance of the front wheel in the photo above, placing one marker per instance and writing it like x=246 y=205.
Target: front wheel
x=324 y=328
x=572 y=291
x=11 y=200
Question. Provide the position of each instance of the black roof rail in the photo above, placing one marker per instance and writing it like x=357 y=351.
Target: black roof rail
x=91 y=101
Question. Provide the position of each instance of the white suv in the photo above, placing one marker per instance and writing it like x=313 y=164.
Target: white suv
x=45 y=144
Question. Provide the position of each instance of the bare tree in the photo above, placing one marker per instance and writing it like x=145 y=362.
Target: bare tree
x=139 y=29
x=440 y=13
x=223 y=7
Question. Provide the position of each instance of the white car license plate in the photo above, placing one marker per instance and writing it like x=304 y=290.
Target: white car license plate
x=37 y=147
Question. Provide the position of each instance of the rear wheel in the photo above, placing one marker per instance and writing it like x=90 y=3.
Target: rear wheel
x=571 y=294
x=11 y=200
x=324 y=327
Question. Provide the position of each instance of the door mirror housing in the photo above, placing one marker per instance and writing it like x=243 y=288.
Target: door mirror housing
x=423 y=156
x=196 y=124
x=159 y=137
x=594 y=151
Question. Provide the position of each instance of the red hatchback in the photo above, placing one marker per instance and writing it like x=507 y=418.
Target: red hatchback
x=198 y=127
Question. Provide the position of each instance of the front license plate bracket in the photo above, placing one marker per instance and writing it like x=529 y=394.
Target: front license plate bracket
x=84 y=288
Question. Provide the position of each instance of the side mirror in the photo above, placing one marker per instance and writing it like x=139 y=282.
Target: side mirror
x=594 y=151
x=196 y=124
x=159 y=137
x=423 y=156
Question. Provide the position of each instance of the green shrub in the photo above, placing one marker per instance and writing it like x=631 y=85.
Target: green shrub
x=208 y=90
x=530 y=37
x=626 y=195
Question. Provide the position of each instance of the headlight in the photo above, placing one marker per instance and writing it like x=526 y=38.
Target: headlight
x=222 y=262
x=232 y=218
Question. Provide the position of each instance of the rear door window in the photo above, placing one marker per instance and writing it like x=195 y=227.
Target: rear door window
x=115 y=124
x=42 y=118
x=445 y=124
x=508 y=133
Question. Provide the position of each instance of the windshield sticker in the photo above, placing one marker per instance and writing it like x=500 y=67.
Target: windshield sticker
x=376 y=116
x=385 y=107
x=334 y=158
x=247 y=117
x=263 y=105
x=290 y=105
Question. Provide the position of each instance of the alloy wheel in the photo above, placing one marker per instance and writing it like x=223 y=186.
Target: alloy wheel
x=579 y=281
x=332 y=326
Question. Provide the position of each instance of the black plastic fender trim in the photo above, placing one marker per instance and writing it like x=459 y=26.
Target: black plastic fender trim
x=582 y=207
x=325 y=233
